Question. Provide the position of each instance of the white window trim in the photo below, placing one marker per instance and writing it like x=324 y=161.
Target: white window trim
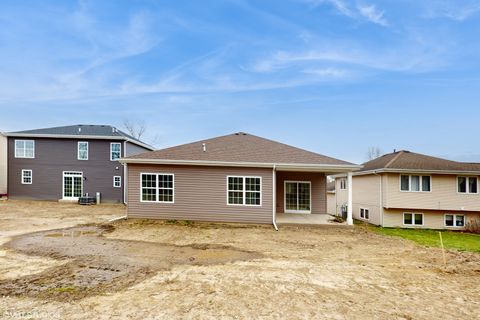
x=23 y=176
x=360 y=213
x=285 y=198
x=157 y=189
x=120 y=180
x=410 y=183
x=78 y=150
x=24 y=157
x=244 y=191
x=468 y=184
x=111 y=150
x=413 y=219
x=454 y=220
x=343 y=181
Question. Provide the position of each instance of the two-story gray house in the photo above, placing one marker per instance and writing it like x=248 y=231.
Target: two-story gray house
x=64 y=163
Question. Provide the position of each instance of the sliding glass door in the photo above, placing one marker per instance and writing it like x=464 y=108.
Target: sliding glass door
x=298 y=197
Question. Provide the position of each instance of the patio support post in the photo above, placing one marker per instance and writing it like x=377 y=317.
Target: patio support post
x=350 y=199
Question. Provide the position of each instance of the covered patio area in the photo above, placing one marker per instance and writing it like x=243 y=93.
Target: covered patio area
x=300 y=194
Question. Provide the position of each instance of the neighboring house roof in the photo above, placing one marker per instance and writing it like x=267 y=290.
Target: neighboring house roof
x=410 y=161
x=241 y=149
x=82 y=131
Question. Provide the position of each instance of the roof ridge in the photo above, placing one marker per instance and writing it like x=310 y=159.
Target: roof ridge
x=389 y=163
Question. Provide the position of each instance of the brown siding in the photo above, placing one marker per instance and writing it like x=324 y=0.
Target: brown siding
x=443 y=196
x=200 y=194
x=432 y=219
x=52 y=157
x=318 y=185
x=3 y=164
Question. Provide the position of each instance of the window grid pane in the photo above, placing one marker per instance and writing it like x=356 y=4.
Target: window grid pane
x=462 y=184
x=407 y=218
x=418 y=219
x=426 y=183
x=472 y=185
x=459 y=220
x=405 y=183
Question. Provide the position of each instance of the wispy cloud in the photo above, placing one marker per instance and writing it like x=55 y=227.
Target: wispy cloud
x=458 y=10
x=372 y=14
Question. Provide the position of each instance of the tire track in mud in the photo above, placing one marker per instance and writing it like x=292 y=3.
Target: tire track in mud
x=95 y=265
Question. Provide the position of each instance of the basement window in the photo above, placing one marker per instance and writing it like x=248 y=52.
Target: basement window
x=364 y=213
x=454 y=220
x=412 y=219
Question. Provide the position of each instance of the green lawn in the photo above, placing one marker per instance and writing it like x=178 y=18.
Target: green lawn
x=451 y=240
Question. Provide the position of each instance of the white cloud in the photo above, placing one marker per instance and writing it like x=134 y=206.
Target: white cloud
x=340 y=5
x=454 y=10
x=371 y=13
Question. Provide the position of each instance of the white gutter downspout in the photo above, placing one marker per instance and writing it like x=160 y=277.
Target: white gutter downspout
x=274 y=197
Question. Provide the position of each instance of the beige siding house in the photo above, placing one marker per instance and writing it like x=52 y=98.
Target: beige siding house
x=3 y=165
x=234 y=178
x=411 y=190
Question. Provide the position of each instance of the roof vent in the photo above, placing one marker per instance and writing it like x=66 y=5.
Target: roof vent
x=204 y=146
x=240 y=134
x=79 y=129
x=114 y=129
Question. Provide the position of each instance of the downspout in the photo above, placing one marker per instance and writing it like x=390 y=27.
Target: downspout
x=381 y=196
x=274 y=197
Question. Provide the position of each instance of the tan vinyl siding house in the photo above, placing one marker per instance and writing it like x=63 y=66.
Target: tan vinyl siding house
x=430 y=192
x=234 y=178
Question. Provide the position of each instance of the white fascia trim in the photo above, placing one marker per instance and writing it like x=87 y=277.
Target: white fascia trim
x=410 y=171
x=85 y=137
x=278 y=166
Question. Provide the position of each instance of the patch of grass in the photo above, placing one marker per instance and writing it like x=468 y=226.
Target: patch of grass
x=451 y=239
x=171 y=222
x=65 y=289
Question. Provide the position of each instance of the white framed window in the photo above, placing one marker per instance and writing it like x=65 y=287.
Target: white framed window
x=25 y=149
x=343 y=184
x=412 y=219
x=468 y=185
x=117 y=181
x=27 y=176
x=365 y=213
x=157 y=187
x=415 y=183
x=82 y=152
x=246 y=191
x=454 y=220
x=115 y=151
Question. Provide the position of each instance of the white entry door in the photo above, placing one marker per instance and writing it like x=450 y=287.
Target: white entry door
x=72 y=185
x=298 y=197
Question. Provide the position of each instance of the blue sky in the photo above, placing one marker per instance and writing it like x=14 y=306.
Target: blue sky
x=331 y=76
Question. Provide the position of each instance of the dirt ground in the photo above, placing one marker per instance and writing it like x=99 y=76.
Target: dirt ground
x=139 y=269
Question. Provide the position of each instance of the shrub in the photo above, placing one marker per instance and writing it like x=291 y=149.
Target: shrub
x=473 y=226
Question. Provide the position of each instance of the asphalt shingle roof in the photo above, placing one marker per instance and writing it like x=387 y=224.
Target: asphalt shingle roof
x=241 y=147
x=407 y=160
x=80 y=130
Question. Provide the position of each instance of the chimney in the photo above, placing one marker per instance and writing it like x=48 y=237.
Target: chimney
x=204 y=147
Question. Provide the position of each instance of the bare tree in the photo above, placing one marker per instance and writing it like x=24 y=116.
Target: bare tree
x=373 y=153
x=135 y=129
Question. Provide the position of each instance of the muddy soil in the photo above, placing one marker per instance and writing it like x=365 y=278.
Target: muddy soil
x=94 y=264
